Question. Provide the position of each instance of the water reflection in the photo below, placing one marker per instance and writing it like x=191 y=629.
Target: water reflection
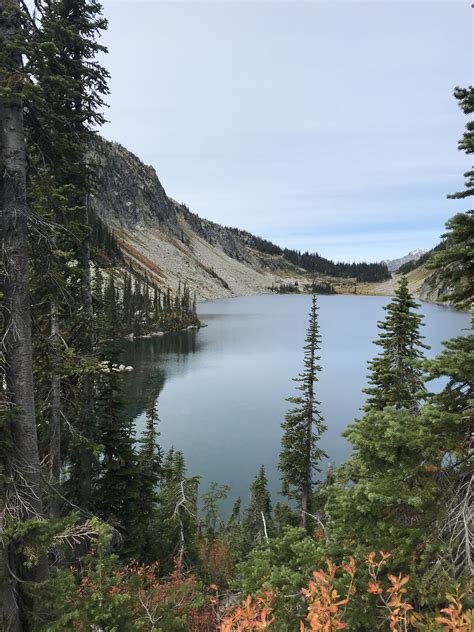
x=154 y=360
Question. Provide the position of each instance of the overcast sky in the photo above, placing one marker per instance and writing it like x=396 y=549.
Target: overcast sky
x=327 y=126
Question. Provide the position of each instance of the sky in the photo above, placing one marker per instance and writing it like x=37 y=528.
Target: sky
x=327 y=126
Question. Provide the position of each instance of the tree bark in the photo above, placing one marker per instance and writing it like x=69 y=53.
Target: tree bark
x=55 y=418
x=24 y=464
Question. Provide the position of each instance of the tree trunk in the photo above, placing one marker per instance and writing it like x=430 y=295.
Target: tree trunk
x=86 y=459
x=306 y=490
x=24 y=463
x=55 y=418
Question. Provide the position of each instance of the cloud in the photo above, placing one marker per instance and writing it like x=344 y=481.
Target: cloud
x=299 y=120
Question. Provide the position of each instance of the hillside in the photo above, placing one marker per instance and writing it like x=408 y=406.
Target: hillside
x=172 y=245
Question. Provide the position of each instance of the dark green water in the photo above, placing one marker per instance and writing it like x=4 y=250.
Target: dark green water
x=221 y=390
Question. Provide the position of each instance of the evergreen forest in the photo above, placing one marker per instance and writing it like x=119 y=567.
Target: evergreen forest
x=100 y=528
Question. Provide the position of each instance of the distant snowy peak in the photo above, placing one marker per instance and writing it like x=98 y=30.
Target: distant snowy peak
x=394 y=264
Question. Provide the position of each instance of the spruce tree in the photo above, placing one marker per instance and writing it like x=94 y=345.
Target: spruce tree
x=396 y=373
x=116 y=482
x=212 y=519
x=452 y=409
x=68 y=108
x=257 y=522
x=303 y=426
x=149 y=474
x=19 y=428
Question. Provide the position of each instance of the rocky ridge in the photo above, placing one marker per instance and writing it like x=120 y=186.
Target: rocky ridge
x=394 y=264
x=172 y=245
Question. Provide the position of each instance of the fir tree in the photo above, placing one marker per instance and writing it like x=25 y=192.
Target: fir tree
x=396 y=373
x=213 y=522
x=149 y=473
x=303 y=426
x=257 y=522
x=117 y=484
x=18 y=430
x=452 y=409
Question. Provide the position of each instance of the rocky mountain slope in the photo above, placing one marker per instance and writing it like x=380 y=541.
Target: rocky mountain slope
x=394 y=264
x=172 y=245
x=168 y=242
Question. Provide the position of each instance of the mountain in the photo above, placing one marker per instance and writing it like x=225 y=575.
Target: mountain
x=394 y=264
x=172 y=245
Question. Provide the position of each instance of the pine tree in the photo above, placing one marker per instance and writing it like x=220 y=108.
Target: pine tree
x=388 y=495
x=117 y=484
x=149 y=474
x=452 y=409
x=456 y=262
x=303 y=426
x=19 y=430
x=257 y=522
x=396 y=373
x=64 y=107
x=212 y=519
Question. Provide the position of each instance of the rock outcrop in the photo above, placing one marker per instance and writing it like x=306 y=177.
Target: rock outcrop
x=171 y=244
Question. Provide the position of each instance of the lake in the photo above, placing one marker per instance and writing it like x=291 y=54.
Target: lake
x=221 y=390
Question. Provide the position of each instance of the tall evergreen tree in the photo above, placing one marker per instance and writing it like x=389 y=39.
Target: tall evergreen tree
x=212 y=519
x=396 y=373
x=453 y=407
x=19 y=431
x=149 y=472
x=257 y=522
x=303 y=426
x=116 y=476
x=66 y=108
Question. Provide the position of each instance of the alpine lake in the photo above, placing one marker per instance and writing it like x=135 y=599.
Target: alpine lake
x=221 y=390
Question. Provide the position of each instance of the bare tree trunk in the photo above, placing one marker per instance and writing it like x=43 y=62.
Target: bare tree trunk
x=87 y=457
x=55 y=418
x=24 y=464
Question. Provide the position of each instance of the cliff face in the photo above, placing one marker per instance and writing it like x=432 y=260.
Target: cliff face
x=434 y=289
x=130 y=195
x=171 y=244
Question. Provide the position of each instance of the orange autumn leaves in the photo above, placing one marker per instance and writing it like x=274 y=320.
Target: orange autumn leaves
x=252 y=614
x=326 y=607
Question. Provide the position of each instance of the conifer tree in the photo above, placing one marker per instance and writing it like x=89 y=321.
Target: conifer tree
x=452 y=409
x=213 y=522
x=388 y=494
x=116 y=481
x=456 y=262
x=177 y=512
x=64 y=105
x=257 y=522
x=396 y=373
x=303 y=426
x=234 y=518
x=149 y=473
x=19 y=430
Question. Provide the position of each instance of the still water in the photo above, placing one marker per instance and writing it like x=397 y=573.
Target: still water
x=221 y=390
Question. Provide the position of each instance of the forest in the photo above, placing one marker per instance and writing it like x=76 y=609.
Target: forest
x=100 y=529
x=314 y=263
